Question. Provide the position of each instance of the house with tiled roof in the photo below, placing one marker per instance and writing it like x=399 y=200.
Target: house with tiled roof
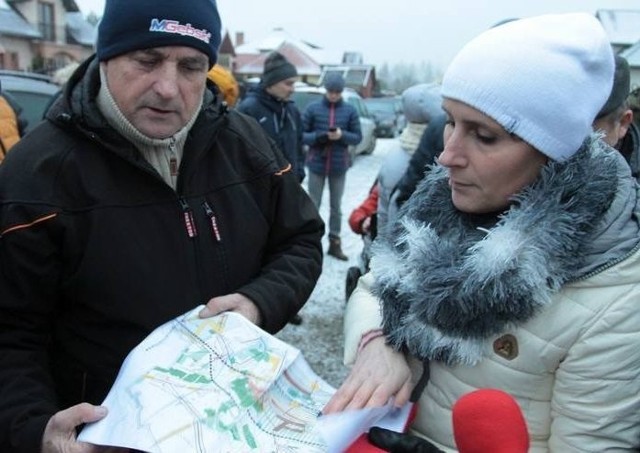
x=226 y=52
x=250 y=56
x=310 y=60
x=357 y=75
x=252 y=64
x=623 y=29
x=43 y=36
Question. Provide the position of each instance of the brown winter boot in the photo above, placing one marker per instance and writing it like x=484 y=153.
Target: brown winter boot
x=335 y=249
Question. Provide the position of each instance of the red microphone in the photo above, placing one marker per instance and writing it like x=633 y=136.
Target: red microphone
x=489 y=420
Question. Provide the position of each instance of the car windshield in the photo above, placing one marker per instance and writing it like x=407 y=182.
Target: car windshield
x=32 y=104
x=303 y=98
x=382 y=105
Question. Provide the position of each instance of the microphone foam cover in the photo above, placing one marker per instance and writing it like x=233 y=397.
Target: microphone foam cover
x=489 y=420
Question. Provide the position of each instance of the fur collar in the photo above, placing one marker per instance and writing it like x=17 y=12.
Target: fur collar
x=447 y=282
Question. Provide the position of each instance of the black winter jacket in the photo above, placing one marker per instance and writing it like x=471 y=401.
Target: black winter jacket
x=96 y=250
x=282 y=121
x=330 y=157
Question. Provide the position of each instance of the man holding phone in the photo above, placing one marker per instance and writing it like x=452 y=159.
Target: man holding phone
x=330 y=127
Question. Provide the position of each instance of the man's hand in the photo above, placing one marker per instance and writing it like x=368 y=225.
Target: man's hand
x=378 y=374
x=335 y=135
x=232 y=302
x=60 y=433
x=322 y=138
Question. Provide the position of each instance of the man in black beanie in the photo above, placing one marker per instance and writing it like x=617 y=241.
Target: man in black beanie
x=615 y=118
x=140 y=197
x=271 y=105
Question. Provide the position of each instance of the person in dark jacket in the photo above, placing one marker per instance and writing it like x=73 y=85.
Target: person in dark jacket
x=139 y=198
x=331 y=125
x=616 y=118
x=270 y=104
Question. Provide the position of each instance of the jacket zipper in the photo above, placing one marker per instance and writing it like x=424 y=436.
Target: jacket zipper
x=173 y=162
x=189 y=221
x=329 y=147
x=172 y=158
x=213 y=220
x=217 y=236
x=606 y=266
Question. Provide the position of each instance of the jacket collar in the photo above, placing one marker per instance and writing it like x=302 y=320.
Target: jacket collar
x=77 y=108
x=447 y=284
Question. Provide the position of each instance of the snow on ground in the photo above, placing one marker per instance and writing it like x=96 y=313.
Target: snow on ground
x=320 y=336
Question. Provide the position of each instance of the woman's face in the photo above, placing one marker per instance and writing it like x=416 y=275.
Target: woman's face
x=486 y=164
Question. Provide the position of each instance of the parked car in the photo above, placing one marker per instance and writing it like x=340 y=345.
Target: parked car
x=387 y=112
x=32 y=92
x=306 y=94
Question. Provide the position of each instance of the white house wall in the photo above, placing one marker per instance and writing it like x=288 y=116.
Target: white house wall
x=22 y=47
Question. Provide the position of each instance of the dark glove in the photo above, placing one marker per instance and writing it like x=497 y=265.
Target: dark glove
x=400 y=443
x=322 y=139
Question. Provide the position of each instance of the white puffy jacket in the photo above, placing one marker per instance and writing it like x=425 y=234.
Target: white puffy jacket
x=576 y=375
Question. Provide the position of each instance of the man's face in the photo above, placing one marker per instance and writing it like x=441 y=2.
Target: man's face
x=283 y=89
x=334 y=96
x=160 y=89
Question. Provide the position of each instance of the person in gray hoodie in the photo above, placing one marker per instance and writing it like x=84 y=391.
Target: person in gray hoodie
x=421 y=103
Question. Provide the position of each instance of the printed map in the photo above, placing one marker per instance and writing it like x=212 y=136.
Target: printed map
x=218 y=384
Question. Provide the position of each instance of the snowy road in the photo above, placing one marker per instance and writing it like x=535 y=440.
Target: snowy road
x=320 y=337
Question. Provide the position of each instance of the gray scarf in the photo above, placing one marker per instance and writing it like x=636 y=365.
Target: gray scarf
x=448 y=282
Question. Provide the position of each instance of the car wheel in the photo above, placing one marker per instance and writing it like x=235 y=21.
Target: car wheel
x=371 y=147
x=352 y=154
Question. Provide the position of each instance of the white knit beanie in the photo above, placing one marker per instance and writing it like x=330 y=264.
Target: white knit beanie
x=543 y=79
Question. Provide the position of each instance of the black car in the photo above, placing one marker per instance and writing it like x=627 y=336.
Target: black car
x=32 y=92
x=386 y=112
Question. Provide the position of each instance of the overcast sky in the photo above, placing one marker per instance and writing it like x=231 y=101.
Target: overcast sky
x=393 y=31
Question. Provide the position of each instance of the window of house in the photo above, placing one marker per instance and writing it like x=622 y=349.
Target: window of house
x=224 y=60
x=15 y=60
x=355 y=77
x=46 y=21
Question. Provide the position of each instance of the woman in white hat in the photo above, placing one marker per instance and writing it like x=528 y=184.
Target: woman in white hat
x=516 y=263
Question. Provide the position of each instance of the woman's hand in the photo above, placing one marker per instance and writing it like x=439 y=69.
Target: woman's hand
x=378 y=374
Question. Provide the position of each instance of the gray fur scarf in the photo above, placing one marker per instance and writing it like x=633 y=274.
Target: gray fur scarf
x=447 y=284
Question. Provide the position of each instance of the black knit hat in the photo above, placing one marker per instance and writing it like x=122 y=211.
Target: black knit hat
x=620 y=88
x=276 y=69
x=129 y=25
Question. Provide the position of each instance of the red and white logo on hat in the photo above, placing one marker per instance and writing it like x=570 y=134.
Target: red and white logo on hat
x=174 y=26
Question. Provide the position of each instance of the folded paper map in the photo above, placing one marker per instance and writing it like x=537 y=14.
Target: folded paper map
x=220 y=384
